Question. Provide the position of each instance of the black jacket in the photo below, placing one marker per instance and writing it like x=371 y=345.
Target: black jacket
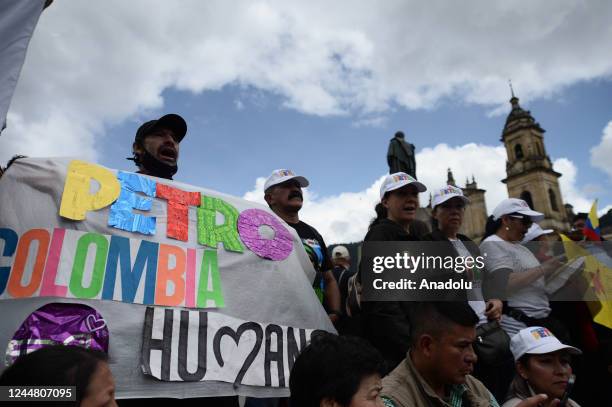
x=385 y=323
x=449 y=250
x=437 y=236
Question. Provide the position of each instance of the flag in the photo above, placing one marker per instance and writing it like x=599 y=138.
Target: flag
x=17 y=21
x=591 y=228
x=599 y=277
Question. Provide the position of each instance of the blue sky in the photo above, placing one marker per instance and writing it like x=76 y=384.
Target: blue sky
x=229 y=146
x=321 y=88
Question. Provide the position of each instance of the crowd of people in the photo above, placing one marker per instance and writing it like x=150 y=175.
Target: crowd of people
x=487 y=346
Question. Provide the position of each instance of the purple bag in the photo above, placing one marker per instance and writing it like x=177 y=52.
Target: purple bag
x=59 y=324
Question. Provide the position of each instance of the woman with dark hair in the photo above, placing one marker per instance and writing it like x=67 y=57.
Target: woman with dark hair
x=515 y=272
x=542 y=367
x=337 y=371
x=385 y=323
x=85 y=369
x=448 y=209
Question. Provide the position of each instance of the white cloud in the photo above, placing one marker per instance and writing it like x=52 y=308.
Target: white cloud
x=89 y=67
x=571 y=192
x=601 y=212
x=486 y=163
x=601 y=154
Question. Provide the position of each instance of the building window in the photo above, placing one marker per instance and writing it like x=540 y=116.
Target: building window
x=518 y=151
x=553 y=200
x=539 y=148
x=526 y=196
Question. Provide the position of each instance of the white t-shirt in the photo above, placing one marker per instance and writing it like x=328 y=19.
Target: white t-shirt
x=532 y=299
x=475 y=298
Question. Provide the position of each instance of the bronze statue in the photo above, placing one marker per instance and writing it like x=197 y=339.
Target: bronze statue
x=400 y=156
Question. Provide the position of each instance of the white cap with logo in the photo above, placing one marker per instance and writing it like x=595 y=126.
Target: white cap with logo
x=515 y=205
x=534 y=232
x=340 y=251
x=282 y=175
x=444 y=194
x=398 y=180
x=537 y=340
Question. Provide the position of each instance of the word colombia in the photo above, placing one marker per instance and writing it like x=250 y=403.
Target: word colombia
x=178 y=276
x=91 y=265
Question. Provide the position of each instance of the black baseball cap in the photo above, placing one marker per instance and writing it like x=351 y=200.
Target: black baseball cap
x=171 y=121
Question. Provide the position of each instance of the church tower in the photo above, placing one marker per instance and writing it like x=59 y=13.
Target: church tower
x=475 y=218
x=529 y=172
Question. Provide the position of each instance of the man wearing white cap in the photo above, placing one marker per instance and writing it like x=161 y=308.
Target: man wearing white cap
x=436 y=369
x=283 y=193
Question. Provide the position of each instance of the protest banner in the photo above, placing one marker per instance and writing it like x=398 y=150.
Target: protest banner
x=202 y=294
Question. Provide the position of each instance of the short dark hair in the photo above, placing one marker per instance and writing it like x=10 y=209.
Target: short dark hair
x=381 y=213
x=55 y=366
x=492 y=226
x=332 y=367
x=434 y=318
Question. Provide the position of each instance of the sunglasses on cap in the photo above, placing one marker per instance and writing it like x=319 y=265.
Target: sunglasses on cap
x=525 y=220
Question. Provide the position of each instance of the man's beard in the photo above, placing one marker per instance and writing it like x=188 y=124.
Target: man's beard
x=156 y=167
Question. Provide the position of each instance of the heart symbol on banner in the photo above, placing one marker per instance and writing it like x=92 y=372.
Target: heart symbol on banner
x=94 y=324
x=235 y=335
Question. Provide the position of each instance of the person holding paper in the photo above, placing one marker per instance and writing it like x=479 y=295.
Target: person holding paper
x=516 y=270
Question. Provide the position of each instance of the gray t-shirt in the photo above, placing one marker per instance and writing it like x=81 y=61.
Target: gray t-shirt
x=532 y=299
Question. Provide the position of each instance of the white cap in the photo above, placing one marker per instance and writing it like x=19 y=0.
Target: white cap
x=444 y=194
x=515 y=205
x=534 y=232
x=398 y=180
x=537 y=340
x=340 y=251
x=282 y=175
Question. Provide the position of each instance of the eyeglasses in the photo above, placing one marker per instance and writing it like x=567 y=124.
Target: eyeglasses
x=524 y=219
